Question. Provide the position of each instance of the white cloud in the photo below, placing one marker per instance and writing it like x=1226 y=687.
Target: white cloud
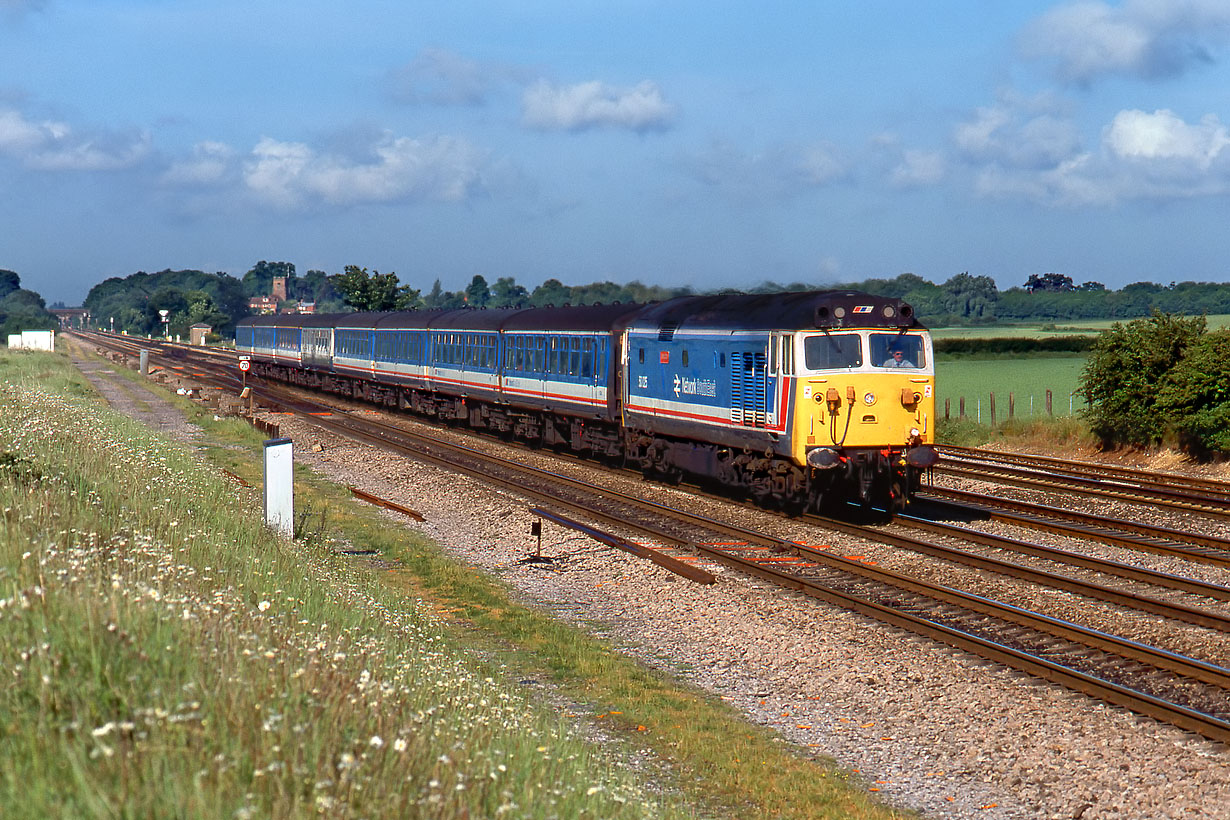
x=210 y=163
x=19 y=136
x=1143 y=38
x=54 y=146
x=292 y=175
x=1141 y=156
x=1163 y=136
x=918 y=168
x=593 y=105
x=1015 y=134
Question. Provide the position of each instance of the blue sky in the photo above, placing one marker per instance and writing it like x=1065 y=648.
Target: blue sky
x=706 y=144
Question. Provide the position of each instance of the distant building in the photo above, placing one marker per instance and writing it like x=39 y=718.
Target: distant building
x=277 y=295
x=263 y=304
x=198 y=332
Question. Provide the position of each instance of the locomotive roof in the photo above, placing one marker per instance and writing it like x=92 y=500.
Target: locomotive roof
x=573 y=317
x=806 y=310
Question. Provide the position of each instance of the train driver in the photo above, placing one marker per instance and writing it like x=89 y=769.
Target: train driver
x=897 y=358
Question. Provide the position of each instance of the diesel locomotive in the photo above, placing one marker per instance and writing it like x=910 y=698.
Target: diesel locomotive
x=804 y=401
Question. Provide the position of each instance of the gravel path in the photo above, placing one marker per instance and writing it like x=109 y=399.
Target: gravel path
x=927 y=727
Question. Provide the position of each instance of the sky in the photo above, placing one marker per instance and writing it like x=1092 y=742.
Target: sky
x=714 y=144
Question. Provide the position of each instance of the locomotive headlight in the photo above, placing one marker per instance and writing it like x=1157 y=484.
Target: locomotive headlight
x=914 y=432
x=869 y=398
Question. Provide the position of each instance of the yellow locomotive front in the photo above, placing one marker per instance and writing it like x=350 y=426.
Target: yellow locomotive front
x=864 y=412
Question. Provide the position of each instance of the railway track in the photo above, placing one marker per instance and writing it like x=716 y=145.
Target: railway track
x=1198 y=496
x=1130 y=476
x=1184 y=691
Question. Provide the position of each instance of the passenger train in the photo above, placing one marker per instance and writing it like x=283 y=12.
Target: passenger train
x=804 y=401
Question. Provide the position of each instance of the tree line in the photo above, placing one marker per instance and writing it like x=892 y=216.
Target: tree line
x=220 y=299
x=21 y=309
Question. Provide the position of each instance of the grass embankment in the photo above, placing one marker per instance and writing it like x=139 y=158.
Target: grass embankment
x=164 y=655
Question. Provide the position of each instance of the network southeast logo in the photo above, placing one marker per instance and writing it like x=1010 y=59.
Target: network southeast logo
x=862 y=308
x=695 y=387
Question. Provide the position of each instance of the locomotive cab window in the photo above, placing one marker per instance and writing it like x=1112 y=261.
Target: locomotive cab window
x=898 y=350
x=833 y=351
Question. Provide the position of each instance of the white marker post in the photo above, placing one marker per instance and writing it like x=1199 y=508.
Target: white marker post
x=279 y=486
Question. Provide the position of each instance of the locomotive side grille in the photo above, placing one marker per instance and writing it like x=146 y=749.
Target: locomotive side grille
x=666 y=332
x=748 y=385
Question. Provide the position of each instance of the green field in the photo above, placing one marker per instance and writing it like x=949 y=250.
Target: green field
x=1027 y=379
x=1044 y=329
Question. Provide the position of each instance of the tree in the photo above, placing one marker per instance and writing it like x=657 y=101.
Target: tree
x=1123 y=373
x=9 y=282
x=201 y=309
x=259 y=280
x=507 y=293
x=970 y=297
x=435 y=297
x=374 y=291
x=21 y=309
x=550 y=292
x=1194 y=395
x=1056 y=282
x=477 y=292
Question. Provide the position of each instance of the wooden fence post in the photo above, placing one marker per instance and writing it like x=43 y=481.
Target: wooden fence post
x=947 y=407
x=992 y=409
x=1049 y=411
x=962 y=411
x=1011 y=404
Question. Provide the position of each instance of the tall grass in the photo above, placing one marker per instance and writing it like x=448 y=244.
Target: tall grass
x=164 y=655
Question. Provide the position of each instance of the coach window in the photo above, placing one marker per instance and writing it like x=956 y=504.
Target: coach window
x=574 y=356
x=641 y=355
x=587 y=359
x=684 y=357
